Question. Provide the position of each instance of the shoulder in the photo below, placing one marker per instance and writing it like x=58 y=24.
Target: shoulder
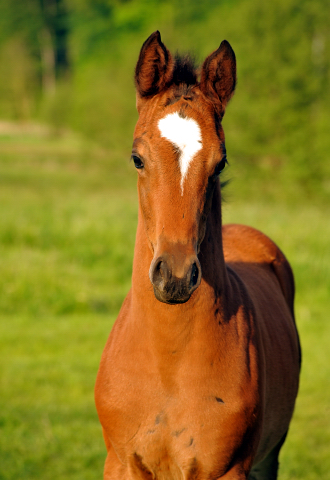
x=247 y=244
x=247 y=249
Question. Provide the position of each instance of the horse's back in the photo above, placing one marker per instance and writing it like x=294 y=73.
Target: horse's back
x=245 y=247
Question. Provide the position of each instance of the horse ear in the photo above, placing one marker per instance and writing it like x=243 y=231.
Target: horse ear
x=218 y=77
x=154 y=68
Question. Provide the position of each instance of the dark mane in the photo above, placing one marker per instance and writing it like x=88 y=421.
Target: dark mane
x=184 y=70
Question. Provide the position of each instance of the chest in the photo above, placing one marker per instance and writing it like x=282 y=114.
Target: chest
x=179 y=439
x=189 y=423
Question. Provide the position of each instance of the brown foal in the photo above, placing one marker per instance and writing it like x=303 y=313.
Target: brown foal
x=199 y=376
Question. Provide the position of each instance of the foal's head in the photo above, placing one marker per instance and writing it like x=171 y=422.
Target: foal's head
x=179 y=151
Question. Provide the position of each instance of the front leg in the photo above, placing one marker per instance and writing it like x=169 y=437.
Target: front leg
x=113 y=468
x=238 y=472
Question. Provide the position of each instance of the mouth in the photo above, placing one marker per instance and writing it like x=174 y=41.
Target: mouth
x=173 y=293
x=171 y=300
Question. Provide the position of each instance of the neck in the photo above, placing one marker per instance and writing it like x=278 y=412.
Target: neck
x=211 y=251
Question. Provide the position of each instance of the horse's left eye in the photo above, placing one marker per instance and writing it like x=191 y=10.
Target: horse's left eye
x=137 y=161
x=221 y=165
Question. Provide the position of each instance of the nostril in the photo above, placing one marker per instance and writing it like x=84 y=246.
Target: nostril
x=194 y=275
x=159 y=270
x=159 y=274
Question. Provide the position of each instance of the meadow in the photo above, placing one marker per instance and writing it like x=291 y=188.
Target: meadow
x=68 y=203
x=67 y=231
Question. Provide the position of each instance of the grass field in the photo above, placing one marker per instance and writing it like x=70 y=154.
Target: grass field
x=67 y=228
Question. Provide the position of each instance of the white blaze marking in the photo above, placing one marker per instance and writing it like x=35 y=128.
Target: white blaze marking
x=185 y=134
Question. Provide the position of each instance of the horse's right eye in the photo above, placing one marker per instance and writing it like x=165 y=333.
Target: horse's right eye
x=137 y=161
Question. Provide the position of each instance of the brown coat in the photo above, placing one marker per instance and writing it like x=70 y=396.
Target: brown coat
x=200 y=373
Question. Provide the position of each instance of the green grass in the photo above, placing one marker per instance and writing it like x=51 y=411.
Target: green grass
x=65 y=250
x=67 y=230
x=48 y=421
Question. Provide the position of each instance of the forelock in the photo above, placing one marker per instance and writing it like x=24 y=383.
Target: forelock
x=184 y=79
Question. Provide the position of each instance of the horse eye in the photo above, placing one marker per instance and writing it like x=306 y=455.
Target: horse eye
x=221 y=165
x=137 y=161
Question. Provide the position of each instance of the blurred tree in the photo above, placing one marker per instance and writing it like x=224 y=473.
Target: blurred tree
x=42 y=26
x=280 y=115
x=284 y=62
x=53 y=42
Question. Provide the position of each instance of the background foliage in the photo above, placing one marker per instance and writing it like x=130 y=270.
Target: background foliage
x=68 y=201
x=70 y=62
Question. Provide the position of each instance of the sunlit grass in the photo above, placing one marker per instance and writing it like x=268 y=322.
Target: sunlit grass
x=67 y=231
x=48 y=421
